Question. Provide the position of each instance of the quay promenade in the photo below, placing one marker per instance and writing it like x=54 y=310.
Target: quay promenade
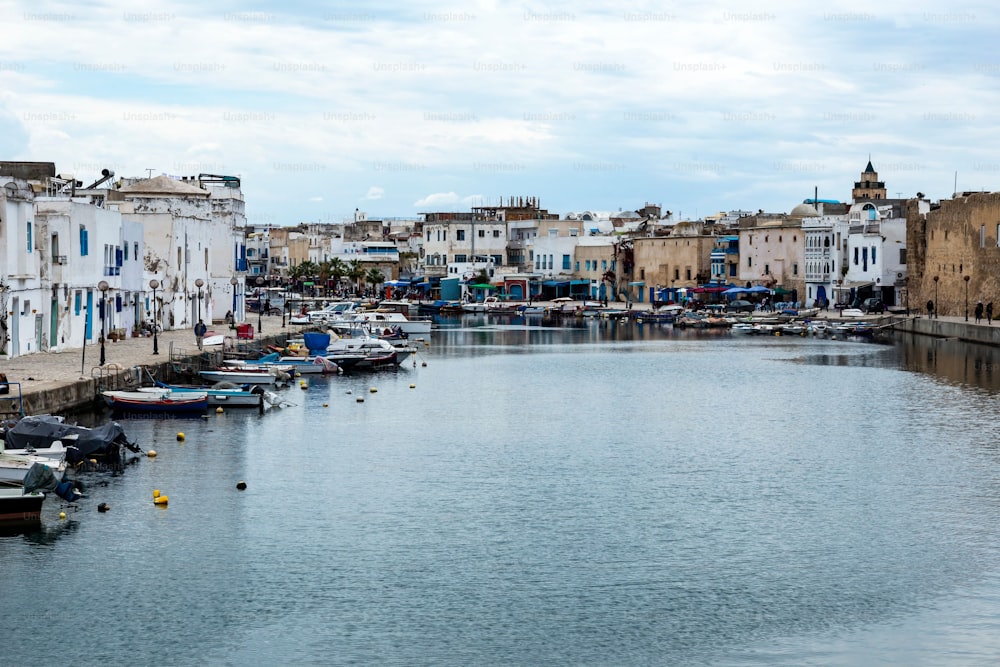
x=53 y=382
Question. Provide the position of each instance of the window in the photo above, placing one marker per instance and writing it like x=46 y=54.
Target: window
x=55 y=247
x=767 y=269
x=77 y=299
x=553 y=233
x=687 y=273
x=573 y=231
x=587 y=264
x=873 y=254
x=749 y=262
x=795 y=269
x=30 y=247
x=902 y=255
x=84 y=242
x=482 y=233
x=460 y=259
x=497 y=259
x=577 y=267
x=855 y=257
x=135 y=251
x=125 y=252
x=677 y=274
x=982 y=236
x=732 y=270
x=460 y=235
x=496 y=233
x=567 y=262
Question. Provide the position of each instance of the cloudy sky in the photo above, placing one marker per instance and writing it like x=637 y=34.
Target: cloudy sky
x=326 y=107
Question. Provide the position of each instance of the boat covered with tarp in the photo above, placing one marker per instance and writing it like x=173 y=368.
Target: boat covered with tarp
x=105 y=443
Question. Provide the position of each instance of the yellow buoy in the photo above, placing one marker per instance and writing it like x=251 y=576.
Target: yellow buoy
x=62 y=515
x=241 y=485
x=151 y=453
x=326 y=405
x=160 y=500
x=372 y=390
x=156 y=493
x=218 y=410
x=424 y=364
x=361 y=399
x=180 y=436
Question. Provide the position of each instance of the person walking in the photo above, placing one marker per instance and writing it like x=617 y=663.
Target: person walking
x=979 y=312
x=989 y=313
x=199 y=334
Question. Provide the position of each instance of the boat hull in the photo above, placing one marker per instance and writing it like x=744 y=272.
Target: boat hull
x=155 y=403
x=20 y=509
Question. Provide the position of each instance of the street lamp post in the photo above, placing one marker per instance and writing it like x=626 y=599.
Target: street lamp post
x=232 y=323
x=936 y=279
x=284 y=304
x=966 y=279
x=199 y=283
x=103 y=286
x=154 y=283
x=260 y=305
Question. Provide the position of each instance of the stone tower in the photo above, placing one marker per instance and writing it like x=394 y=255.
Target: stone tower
x=869 y=187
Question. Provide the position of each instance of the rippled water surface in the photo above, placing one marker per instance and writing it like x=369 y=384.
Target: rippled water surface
x=538 y=495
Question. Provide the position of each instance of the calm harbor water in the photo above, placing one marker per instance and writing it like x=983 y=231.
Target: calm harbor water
x=604 y=494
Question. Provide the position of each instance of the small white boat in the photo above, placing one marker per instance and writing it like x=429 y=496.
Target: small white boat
x=240 y=375
x=13 y=467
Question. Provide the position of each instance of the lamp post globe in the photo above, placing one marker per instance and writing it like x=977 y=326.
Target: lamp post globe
x=103 y=286
x=966 y=279
x=154 y=284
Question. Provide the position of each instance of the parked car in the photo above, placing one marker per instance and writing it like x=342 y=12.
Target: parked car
x=739 y=306
x=873 y=305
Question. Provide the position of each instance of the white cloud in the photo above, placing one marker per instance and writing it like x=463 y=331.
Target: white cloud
x=315 y=199
x=437 y=199
x=608 y=107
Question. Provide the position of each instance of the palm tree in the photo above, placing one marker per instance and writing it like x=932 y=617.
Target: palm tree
x=337 y=270
x=355 y=272
x=374 y=277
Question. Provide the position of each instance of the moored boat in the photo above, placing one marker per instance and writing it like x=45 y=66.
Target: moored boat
x=164 y=401
x=18 y=509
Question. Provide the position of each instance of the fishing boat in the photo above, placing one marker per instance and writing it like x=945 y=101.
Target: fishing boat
x=18 y=508
x=374 y=351
x=224 y=394
x=383 y=321
x=50 y=435
x=241 y=375
x=162 y=401
x=14 y=467
x=304 y=365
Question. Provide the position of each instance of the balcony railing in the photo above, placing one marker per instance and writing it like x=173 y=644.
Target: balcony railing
x=60 y=259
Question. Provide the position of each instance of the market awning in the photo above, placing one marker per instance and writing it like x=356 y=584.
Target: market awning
x=579 y=282
x=556 y=283
x=638 y=283
x=482 y=286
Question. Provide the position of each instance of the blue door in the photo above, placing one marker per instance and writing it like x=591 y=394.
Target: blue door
x=89 y=317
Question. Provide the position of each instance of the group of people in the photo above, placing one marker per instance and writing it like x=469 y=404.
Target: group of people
x=980 y=311
x=987 y=310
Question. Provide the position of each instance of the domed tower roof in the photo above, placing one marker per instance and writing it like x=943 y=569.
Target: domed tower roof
x=804 y=211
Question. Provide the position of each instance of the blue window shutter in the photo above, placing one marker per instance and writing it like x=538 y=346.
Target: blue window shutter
x=76 y=303
x=118 y=256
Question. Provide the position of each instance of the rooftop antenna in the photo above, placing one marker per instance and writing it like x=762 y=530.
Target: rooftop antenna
x=955 y=191
x=149 y=173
